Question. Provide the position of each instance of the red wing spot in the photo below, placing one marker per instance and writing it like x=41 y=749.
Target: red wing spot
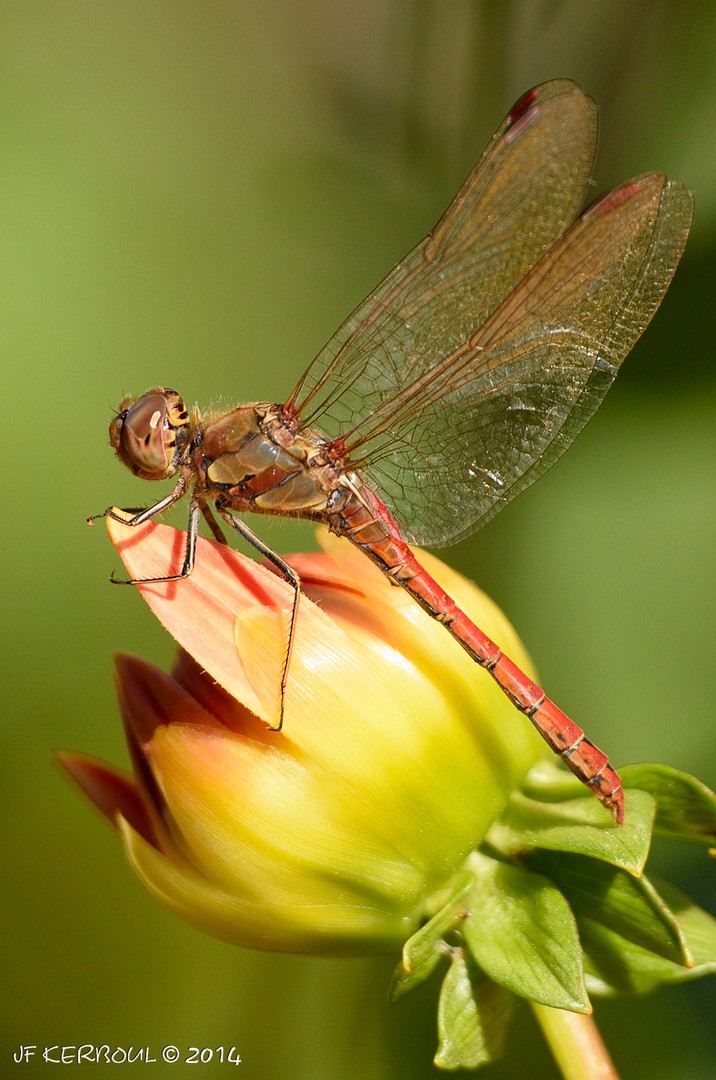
x=522 y=116
x=613 y=199
x=521 y=107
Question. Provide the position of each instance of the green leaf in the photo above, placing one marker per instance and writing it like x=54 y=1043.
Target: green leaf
x=616 y=965
x=578 y=826
x=685 y=807
x=522 y=933
x=473 y=1014
x=605 y=894
x=426 y=948
x=698 y=927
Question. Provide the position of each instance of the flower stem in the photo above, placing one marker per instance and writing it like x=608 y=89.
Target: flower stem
x=575 y=1043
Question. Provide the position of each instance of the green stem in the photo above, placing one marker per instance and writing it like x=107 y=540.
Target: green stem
x=575 y=1043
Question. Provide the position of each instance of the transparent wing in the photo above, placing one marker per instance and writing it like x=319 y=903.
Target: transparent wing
x=519 y=199
x=451 y=448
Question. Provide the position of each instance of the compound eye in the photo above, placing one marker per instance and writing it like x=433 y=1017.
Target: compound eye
x=147 y=443
x=151 y=435
x=145 y=434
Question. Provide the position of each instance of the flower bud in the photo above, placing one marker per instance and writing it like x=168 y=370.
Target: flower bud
x=336 y=834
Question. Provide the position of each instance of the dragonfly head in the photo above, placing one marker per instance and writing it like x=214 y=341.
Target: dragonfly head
x=151 y=434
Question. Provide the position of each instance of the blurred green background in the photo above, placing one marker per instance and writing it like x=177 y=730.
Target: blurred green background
x=195 y=195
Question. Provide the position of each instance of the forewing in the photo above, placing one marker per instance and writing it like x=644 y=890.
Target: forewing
x=521 y=196
x=452 y=449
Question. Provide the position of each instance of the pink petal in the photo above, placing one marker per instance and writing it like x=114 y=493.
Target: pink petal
x=200 y=611
x=112 y=792
x=149 y=698
x=219 y=703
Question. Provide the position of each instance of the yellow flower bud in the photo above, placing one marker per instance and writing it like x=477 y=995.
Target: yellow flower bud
x=336 y=834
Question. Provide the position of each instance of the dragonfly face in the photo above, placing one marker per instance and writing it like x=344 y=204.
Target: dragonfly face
x=151 y=435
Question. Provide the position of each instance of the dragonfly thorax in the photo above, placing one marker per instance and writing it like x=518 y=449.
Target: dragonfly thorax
x=253 y=458
x=152 y=433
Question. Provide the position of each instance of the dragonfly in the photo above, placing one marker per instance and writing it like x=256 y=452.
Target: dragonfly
x=462 y=377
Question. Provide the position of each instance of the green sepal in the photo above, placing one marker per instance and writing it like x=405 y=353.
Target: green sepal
x=579 y=825
x=685 y=807
x=555 y=902
x=615 y=965
x=522 y=933
x=473 y=1015
x=426 y=948
x=630 y=907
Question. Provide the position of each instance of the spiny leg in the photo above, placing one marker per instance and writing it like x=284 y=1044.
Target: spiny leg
x=145 y=513
x=213 y=524
x=289 y=574
x=192 y=531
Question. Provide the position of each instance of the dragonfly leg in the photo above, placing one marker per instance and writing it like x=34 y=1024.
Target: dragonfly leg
x=192 y=532
x=213 y=524
x=145 y=513
x=289 y=574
